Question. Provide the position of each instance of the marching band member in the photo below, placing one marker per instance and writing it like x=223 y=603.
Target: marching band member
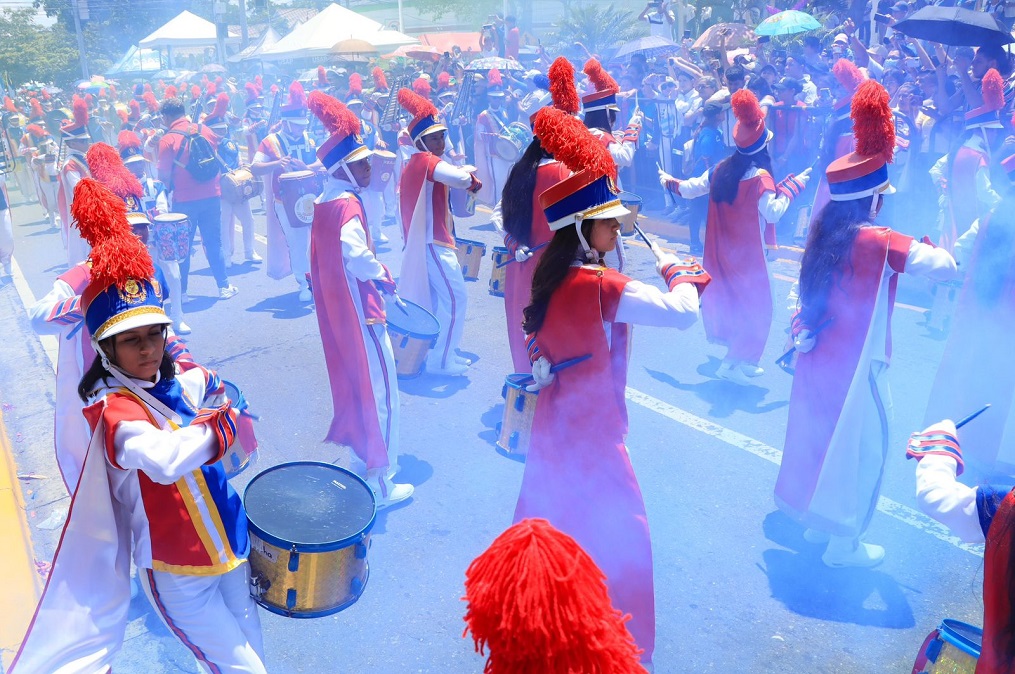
x=373 y=200
x=981 y=514
x=255 y=126
x=44 y=167
x=978 y=363
x=837 y=432
x=520 y=219
x=154 y=201
x=580 y=308
x=290 y=149
x=350 y=310
x=218 y=121
x=431 y=275
x=491 y=168
x=152 y=487
x=744 y=205
x=76 y=139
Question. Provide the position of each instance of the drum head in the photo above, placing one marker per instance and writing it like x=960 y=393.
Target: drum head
x=170 y=217
x=316 y=506
x=296 y=175
x=962 y=635
x=413 y=320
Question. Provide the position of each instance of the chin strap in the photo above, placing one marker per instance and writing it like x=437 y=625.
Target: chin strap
x=125 y=379
x=591 y=256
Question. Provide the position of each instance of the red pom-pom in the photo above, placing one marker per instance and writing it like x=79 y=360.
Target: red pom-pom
x=415 y=104
x=380 y=79
x=135 y=109
x=122 y=114
x=211 y=89
x=45 y=95
x=251 y=91
x=36 y=108
x=873 y=122
x=170 y=92
x=148 y=87
x=118 y=259
x=259 y=83
x=443 y=81
x=746 y=109
x=90 y=100
x=335 y=117
x=562 y=89
x=195 y=92
x=600 y=79
x=848 y=74
x=36 y=131
x=494 y=78
x=80 y=110
x=128 y=140
x=9 y=104
x=97 y=212
x=221 y=105
x=297 y=96
x=274 y=89
x=322 y=77
x=569 y=141
x=993 y=90
x=112 y=92
x=421 y=87
x=356 y=84
x=107 y=167
x=151 y=102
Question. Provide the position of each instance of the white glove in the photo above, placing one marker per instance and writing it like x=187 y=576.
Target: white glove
x=663 y=259
x=804 y=176
x=804 y=341
x=636 y=119
x=522 y=254
x=541 y=373
x=664 y=177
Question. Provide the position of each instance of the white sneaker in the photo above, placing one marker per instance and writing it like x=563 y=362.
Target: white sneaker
x=751 y=370
x=843 y=552
x=387 y=493
x=181 y=328
x=462 y=360
x=228 y=291
x=382 y=238
x=252 y=256
x=731 y=373
x=306 y=295
x=452 y=369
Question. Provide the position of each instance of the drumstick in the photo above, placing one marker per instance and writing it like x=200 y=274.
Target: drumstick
x=511 y=259
x=563 y=365
x=972 y=416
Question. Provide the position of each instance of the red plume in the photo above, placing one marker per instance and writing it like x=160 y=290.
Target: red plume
x=221 y=105
x=380 y=79
x=118 y=259
x=562 y=89
x=151 y=102
x=297 y=96
x=135 y=109
x=102 y=92
x=170 y=92
x=421 y=87
x=993 y=90
x=274 y=89
x=600 y=79
x=251 y=90
x=160 y=85
x=212 y=89
x=80 y=109
x=148 y=87
x=746 y=109
x=97 y=212
x=848 y=74
x=219 y=81
x=494 y=79
x=322 y=77
x=356 y=84
x=873 y=122
x=122 y=114
x=9 y=104
x=45 y=95
x=418 y=106
x=195 y=92
x=35 y=131
x=36 y=108
x=335 y=117
x=106 y=166
x=204 y=80
x=567 y=139
x=443 y=81
x=259 y=82
x=89 y=100
x=128 y=140
x=112 y=92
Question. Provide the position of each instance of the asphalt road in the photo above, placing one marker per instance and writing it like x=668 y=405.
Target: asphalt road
x=737 y=588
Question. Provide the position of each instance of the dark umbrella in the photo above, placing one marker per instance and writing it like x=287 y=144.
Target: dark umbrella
x=955 y=26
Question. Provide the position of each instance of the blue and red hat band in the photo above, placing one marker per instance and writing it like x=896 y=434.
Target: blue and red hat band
x=589 y=103
x=597 y=193
x=424 y=124
x=862 y=186
x=343 y=149
x=977 y=120
x=115 y=305
x=758 y=145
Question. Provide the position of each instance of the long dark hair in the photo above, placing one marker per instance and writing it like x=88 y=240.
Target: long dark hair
x=96 y=373
x=725 y=181
x=603 y=118
x=550 y=273
x=516 y=199
x=993 y=273
x=827 y=254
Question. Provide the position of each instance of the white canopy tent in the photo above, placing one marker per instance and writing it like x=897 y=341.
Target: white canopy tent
x=254 y=49
x=136 y=61
x=316 y=37
x=183 y=30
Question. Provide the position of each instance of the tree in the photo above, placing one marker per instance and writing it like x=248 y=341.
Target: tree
x=598 y=28
x=29 y=51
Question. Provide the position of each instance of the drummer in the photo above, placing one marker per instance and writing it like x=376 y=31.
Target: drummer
x=431 y=274
x=290 y=149
x=491 y=124
x=350 y=309
x=159 y=430
x=373 y=199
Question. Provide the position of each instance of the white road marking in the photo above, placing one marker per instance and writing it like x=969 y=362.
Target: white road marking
x=887 y=506
x=49 y=342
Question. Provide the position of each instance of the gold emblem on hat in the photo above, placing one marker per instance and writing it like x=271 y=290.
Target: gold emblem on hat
x=133 y=292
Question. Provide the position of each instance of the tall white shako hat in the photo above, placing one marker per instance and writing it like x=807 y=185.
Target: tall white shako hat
x=864 y=172
x=345 y=142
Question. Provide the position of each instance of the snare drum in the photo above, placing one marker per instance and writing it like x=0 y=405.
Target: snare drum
x=631 y=202
x=953 y=648
x=470 y=256
x=172 y=236
x=519 y=408
x=239 y=185
x=309 y=528
x=382 y=169
x=297 y=192
x=462 y=203
x=512 y=141
x=413 y=331
x=498 y=277
x=243 y=452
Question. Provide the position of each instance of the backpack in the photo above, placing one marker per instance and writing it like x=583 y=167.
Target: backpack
x=202 y=162
x=229 y=153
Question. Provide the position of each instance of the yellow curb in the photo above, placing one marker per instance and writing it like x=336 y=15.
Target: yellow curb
x=22 y=584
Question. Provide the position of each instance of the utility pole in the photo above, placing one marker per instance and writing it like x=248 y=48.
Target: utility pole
x=244 y=35
x=79 y=8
